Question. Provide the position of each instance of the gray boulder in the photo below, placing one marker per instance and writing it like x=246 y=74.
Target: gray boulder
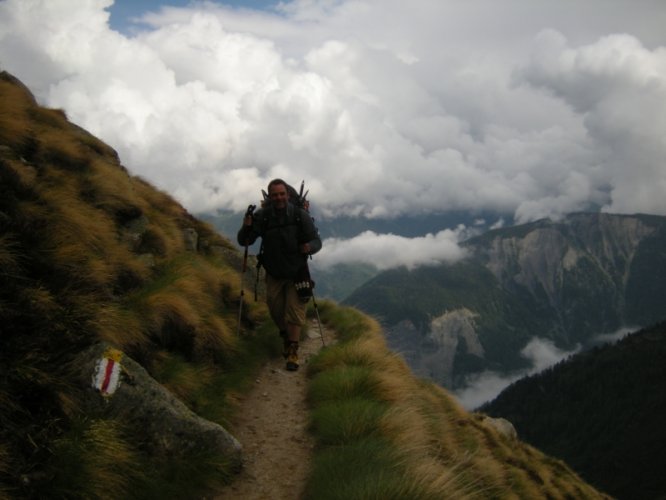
x=115 y=386
x=501 y=425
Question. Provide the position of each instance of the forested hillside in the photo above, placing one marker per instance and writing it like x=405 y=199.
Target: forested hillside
x=601 y=411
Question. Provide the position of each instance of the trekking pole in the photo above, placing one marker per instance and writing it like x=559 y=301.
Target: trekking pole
x=321 y=332
x=240 y=308
x=250 y=210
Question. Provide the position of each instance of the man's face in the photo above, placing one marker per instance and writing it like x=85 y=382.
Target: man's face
x=278 y=195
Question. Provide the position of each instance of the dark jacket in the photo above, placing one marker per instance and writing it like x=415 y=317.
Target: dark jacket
x=282 y=233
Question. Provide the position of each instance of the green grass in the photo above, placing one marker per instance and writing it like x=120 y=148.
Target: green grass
x=340 y=422
x=383 y=434
x=366 y=469
x=342 y=383
x=349 y=323
x=207 y=389
x=356 y=457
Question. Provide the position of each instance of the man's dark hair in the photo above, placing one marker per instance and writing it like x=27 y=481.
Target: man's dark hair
x=275 y=182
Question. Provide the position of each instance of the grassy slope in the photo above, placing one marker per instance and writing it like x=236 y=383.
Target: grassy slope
x=88 y=253
x=382 y=433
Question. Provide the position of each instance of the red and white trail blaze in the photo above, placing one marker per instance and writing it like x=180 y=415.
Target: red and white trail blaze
x=107 y=373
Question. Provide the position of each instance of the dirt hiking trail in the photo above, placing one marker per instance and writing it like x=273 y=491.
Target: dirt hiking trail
x=272 y=426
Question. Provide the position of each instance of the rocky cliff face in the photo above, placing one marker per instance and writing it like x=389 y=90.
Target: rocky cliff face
x=565 y=281
x=448 y=333
x=542 y=260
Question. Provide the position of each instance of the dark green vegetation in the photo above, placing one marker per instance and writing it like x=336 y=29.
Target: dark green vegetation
x=565 y=281
x=89 y=253
x=601 y=411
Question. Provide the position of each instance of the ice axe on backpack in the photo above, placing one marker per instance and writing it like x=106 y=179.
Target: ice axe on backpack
x=248 y=213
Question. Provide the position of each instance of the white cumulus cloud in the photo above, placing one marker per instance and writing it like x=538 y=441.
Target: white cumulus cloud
x=483 y=387
x=385 y=251
x=527 y=108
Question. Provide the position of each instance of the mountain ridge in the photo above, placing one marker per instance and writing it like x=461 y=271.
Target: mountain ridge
x=564 y=281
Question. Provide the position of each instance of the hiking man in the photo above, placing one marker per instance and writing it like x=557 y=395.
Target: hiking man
x=288 y=237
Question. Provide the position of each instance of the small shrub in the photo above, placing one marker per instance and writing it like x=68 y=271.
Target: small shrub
x=340 y=422
x=342 y=383
x=362 y=470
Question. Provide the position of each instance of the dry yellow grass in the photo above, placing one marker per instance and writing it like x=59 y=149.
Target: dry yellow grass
x=110 y=188
x=16 y=127
x=102 y=464
x=182 y=378
x=119 y=327
x=89 y=253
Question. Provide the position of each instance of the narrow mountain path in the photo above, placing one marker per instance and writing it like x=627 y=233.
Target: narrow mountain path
x=272 y=426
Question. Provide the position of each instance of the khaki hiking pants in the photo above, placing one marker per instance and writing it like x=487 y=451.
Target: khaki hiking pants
x=283 y=302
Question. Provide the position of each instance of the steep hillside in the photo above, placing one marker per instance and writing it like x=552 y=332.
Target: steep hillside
x=383 y=433
x=602 y=412
x=564 y=281
x=90 y=254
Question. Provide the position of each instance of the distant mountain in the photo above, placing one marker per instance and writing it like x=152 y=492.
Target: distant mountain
x=565 y=281
x=602 y=411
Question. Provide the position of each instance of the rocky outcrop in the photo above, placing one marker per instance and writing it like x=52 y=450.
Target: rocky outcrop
x=501 y=425
x=533 y=261
x=541 y=259
x=442 y=342
x=115 y=386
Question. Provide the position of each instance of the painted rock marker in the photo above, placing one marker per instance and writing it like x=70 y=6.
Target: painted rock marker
x=106 y=378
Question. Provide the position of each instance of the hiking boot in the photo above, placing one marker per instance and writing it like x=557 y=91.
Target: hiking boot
x=292 y=356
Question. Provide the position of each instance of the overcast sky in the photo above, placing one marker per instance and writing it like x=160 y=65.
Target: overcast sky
x=531 y=108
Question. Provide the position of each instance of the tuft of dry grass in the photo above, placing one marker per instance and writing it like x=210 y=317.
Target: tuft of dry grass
x=110 y=188
x=94 y=460
x=179 y=376
x=16 y=128
x=120 y=327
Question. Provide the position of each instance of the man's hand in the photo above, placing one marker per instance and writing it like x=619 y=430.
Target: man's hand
x=305 y=248
x=247 y=220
